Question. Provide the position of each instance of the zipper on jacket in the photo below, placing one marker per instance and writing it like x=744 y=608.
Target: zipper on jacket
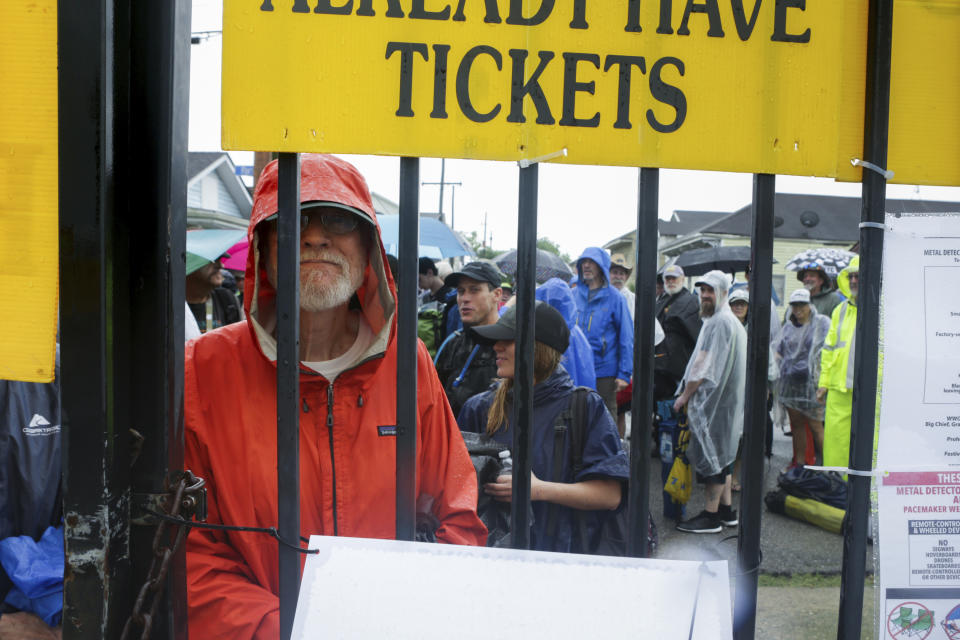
x=306 y=409
x=360 y=400
x=333 y=464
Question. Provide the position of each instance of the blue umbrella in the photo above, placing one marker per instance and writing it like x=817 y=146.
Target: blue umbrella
x=437 y=240
x=206 y=245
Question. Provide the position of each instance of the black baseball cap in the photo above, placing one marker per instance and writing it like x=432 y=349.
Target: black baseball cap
x=479 y=271
x=551 y=329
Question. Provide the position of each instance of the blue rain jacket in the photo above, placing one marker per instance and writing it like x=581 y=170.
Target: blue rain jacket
x=578 y=358
x=605 y=319
x=603 y=456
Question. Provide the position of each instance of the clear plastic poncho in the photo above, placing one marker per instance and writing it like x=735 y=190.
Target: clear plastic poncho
x=715 y=411
x=799 y=352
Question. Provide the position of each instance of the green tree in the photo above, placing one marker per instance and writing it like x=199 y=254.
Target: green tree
x=478 y=248
x=547 y=244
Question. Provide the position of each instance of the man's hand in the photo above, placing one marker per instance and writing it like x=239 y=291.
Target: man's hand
x=502 y=489
x=680 y=402
x=821 y=394
x=621 y=384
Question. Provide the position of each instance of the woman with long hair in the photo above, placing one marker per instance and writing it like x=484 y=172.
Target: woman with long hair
x=557 y=492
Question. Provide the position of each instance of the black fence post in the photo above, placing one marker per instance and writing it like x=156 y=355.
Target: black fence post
x=408 y=250
x=863 y=420
x=523 y=358
x=755 y=406
x=288 y=383
x=158 y=94
x=645 y=265
x=98 y=589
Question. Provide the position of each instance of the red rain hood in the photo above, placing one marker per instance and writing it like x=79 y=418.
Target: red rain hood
x=323 y=178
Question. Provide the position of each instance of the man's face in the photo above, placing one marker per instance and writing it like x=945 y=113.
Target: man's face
x=708 y=301
x=477 y=302
x=854 y=279
x=424 y=280
x=812 y=281
x=672 y=284
x=332 y=264
x=210 y=274
x=592 y=274
x=618 y=276
x=659 y=288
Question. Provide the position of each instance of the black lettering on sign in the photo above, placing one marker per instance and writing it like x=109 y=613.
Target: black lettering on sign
x=666 y=16
x=440 y=52
x=418 y=12
x=579 y=15
x=299 y=6
x=780 y=22
x=516 y=13
x=326 y=6
x=667 y=94
x=393 y=9
x=406 y=49
x=633 y=17
x=708 y=7
x=626 y=64
x=492 y=16
x=571 y=86
x=744 y=26
x=463 y=83
x=519 y=88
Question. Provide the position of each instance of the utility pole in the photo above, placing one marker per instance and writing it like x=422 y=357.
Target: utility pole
x=443 y=183
x=484 y=229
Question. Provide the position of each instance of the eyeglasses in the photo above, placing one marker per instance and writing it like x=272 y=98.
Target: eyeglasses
x=335 y=221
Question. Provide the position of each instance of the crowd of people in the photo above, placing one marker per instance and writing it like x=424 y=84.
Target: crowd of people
x=466 y=367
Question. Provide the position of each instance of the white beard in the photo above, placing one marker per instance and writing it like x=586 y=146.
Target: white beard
x=672 y=289
x=315 y=295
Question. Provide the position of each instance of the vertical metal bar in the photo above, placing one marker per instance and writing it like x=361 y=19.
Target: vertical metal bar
x=288 y=383
x=645 y=265
x=873 y=205
x=159 y=104
x=523 y=358
x=97 y=584
x=755 y=406
x=443 y=167
x=408 y=249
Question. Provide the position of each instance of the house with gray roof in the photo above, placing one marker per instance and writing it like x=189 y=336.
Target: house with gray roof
x=216 y=195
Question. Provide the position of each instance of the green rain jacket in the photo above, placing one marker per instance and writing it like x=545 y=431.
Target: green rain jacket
x=836 y=359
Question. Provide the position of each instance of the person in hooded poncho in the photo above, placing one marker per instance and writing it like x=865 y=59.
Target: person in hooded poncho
x=713 y=393
x=557 y=491
x=578 y=358
x=799 y=348
x=347 y=384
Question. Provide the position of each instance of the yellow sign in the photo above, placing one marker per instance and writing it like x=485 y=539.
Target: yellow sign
x=736 y=85
x=924 y=137
x=28 y=190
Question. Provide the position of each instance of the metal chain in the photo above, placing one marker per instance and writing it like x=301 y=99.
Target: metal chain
x=184 y=496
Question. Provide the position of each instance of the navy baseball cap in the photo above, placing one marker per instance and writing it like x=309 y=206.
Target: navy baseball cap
x=551 y=329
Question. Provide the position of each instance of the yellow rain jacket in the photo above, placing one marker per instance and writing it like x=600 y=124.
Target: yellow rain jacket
x=836 y=373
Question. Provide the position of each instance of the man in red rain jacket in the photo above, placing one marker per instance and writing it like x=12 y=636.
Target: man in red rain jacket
x=348 y=352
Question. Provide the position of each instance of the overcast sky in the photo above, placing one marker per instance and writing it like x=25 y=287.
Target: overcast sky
x=579 y=206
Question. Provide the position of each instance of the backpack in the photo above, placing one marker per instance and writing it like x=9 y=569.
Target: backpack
x=430 y=327
x=611 y=538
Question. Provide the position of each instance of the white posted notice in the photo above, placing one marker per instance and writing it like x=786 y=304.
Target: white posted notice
x=918 y=452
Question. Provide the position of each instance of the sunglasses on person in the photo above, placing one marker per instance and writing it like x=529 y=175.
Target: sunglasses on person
x=335 y=221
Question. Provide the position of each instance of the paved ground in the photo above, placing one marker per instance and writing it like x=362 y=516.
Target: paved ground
x=792 y=549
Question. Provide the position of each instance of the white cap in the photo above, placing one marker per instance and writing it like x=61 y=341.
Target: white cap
x=800 y=296
x=673 y=271
x=717 y=280
x=739 y=294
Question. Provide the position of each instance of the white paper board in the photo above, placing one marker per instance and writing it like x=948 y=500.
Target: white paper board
x=360 y=588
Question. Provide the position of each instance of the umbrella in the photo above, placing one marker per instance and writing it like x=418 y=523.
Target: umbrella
x=238 y=256
x=833 y=261
x=437 y=240
x=206 y=245
x=700 y=261
x=549 y=265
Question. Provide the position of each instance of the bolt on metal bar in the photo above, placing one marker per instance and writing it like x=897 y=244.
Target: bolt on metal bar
x=408 y=248
x=645 y=265
x=755 y=406
x=873 y=205
x=523 y=358
x=288 y=382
